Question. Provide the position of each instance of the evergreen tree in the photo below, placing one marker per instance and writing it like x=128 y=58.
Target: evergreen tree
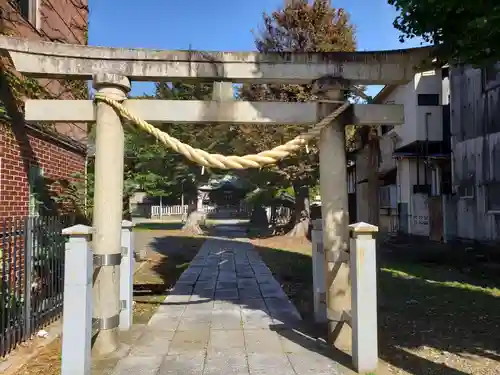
x=462 y=31
x=301 y=26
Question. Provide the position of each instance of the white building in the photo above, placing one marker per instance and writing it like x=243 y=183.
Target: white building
x=414 y=168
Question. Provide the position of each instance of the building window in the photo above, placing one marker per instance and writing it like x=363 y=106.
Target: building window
x=24 y=8
x=466 y=190
x=388 y=196
x=493 y=197
x=428 y=99
x=491 y=76
x=490 y=73
x=422 y=189
x=30 y=11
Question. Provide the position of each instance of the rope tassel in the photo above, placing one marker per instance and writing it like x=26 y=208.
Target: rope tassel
x=208 y=160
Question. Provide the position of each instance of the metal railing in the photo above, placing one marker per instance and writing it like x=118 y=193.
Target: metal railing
x=32 y=276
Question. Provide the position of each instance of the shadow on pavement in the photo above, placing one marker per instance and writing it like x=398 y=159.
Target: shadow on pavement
x=416 y=311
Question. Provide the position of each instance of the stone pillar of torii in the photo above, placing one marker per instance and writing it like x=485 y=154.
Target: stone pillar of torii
x=112 y=71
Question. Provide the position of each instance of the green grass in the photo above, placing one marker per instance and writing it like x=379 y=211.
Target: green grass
x=173 y=225
x=167 y=225
x=441 y=276
x=424 y=308
x=429 y=309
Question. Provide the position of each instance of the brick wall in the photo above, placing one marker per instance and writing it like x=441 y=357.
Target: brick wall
x=20 y=146
x=63 y=21
x=19 y=152
x=57 y=150
x=58 y=20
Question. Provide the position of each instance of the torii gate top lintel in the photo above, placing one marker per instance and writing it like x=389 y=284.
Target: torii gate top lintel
x=112 y=70
x=48 y=59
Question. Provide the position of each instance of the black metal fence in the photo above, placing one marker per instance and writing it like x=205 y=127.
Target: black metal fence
x=32 y=276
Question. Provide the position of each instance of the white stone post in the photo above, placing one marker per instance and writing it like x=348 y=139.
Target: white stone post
x=77 y=310
x=334 y=211
x=364 y=297
x=318 y=269
x=108 y=193
x=127 y=276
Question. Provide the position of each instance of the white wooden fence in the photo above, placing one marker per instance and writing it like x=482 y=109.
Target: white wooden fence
x=282 y=213
x=178 y=210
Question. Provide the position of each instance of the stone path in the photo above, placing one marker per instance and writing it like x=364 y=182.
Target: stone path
x=226 y=315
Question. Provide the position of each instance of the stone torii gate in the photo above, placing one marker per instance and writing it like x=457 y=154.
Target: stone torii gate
x=113 y=69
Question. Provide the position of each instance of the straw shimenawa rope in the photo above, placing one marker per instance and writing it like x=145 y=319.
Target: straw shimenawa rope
x=208 y=160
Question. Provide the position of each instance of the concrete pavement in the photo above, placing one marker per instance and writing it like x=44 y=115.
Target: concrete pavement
x=226 y=315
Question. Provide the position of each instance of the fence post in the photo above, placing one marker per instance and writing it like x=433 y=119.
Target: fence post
x=364 y=297
x=28 y=275
x=77 y=310
x=318 y=264
x=127 y=276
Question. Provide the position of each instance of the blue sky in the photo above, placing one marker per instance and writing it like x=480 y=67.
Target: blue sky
x=219 y=25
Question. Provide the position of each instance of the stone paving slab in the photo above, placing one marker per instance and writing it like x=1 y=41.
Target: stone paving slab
x=225 y=315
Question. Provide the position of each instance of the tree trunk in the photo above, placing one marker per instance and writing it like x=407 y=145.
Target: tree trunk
x=127 y=215
x=259 y=216
x=301 y=212
x=194 y=221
